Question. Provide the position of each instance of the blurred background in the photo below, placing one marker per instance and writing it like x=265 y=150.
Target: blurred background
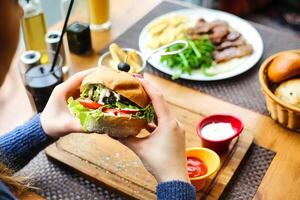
x=52 y=11
x=278 y=14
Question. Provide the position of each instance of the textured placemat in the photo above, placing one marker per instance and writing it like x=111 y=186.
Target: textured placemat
x=243 y=90
x=249 y=175
x=57 y=182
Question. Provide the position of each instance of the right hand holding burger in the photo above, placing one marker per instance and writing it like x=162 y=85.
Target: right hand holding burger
x=163 y=152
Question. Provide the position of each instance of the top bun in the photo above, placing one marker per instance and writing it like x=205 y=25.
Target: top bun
x=121 y=82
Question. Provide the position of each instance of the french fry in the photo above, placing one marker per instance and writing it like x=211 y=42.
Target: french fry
x=154 y=42
x=118 y=53
x=134 y=61
x=161 y=21
x=166 y=30
x=177 y=20
x=158 y=29
x=179 y=29
x=113 y=53
x=167 y=37
x=132 y=55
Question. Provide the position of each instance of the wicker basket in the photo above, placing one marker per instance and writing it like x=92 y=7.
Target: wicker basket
x=285 y=114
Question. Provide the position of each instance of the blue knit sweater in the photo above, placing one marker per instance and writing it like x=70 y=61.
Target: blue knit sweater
x=19 y=146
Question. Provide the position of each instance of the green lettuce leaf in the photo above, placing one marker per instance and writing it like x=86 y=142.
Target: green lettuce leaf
x=120 y=105
x=147 y=113
x=91 y=92
x=97 y=91
x=85 y=115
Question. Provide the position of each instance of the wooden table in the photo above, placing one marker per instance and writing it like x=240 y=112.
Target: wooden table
x=281 y=180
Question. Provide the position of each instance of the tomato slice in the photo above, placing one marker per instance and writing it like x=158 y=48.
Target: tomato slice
x=116 y=111
x=110 y=110
x=130 y=112
x=90 y=104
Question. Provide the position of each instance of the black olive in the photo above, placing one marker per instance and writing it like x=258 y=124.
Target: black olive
x=110 y=100
x=123 y=66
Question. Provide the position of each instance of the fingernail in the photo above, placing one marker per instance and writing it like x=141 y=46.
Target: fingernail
x=138 y=76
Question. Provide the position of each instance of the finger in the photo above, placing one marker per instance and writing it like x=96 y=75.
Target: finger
x=74 y=124
x=77 y=128
x=160 y=105
x=180 y=125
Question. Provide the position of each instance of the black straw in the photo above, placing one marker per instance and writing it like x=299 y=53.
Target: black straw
x=62 y=35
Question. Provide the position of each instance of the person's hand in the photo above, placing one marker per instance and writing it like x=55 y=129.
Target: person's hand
x=163 y=152
x=56 y=119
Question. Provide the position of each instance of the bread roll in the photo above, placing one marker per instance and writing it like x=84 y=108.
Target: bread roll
x=289 y=92
x=284 y=66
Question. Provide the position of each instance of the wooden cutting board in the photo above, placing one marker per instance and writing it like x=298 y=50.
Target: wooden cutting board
x=108 y=162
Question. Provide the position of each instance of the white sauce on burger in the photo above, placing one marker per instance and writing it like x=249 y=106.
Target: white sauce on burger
x=104 y=93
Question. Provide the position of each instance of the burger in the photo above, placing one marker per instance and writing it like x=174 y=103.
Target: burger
x=112 y=102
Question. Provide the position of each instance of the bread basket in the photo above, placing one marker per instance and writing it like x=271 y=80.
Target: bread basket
x=283 y=113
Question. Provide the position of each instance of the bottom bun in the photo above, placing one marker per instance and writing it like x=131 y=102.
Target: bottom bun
x=117 y=127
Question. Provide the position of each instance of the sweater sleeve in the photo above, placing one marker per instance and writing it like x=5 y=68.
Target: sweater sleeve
x=175 y=190
x=5 y=194
x=20 y=145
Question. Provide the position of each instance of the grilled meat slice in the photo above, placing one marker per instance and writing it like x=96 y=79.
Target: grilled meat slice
x=233 y=36
x=227 y=43
x=232 y=52
x=203 y=27
x=218 y=33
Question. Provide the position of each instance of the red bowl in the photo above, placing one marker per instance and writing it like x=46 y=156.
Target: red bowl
x=220 y=146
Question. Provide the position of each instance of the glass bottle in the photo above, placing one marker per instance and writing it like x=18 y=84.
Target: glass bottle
x=34 y=25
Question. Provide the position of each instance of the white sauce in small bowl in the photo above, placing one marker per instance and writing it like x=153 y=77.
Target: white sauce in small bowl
x=217 y=131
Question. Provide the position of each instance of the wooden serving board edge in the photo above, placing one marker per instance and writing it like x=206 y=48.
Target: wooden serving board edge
x=229 y=167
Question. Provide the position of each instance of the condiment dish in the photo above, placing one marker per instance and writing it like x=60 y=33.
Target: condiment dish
x=210 y=158
x=222 y=145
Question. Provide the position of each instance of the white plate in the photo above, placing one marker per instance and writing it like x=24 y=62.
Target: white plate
x=233 y=67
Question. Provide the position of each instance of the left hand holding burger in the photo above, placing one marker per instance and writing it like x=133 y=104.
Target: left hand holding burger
x=56 y=119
